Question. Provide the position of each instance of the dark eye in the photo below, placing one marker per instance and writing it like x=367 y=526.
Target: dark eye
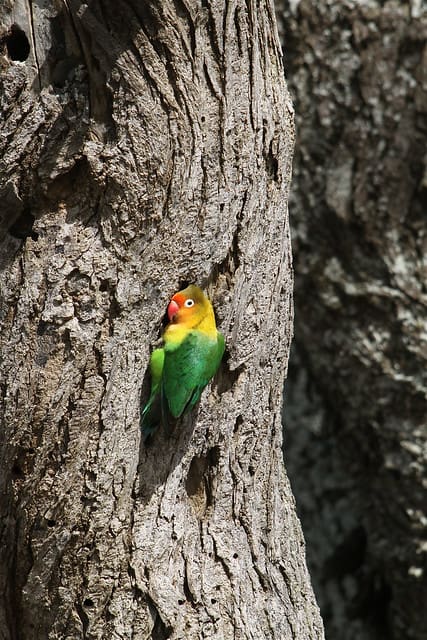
x=189 y=303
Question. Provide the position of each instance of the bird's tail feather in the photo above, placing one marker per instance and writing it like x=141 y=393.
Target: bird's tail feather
x=151 y=417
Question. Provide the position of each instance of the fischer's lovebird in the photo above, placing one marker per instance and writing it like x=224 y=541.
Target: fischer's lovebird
x=190 y=357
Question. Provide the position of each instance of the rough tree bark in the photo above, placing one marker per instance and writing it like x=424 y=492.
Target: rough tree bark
x=358 y=401
x=144 y=145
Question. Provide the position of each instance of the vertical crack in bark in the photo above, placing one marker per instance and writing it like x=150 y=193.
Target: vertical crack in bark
x=190 y=596
x=183 y=10
x=252 y=48
x=83 y=617
x=33 y=37
x=217 y=52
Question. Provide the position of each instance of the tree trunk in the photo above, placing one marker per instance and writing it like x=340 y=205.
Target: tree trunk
x=356 y=439
x=145 y=145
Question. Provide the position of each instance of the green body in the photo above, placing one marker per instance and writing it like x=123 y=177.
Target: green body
x=179 y=373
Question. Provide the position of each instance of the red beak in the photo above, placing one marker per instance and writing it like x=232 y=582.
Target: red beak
x=173 y=307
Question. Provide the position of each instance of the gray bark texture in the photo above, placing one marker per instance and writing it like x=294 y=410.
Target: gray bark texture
x=144 y=145
x=356 y=402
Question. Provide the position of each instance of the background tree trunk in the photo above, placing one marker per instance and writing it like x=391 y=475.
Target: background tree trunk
x=356 y=421
x=144 y=145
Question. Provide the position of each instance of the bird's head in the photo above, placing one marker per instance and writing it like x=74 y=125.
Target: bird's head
x=188 y=307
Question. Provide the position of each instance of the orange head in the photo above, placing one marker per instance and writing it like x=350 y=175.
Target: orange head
x=190 y=307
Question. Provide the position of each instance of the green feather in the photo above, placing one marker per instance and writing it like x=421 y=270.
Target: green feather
x=188 y=369
x=179 y=373
x=151 y=414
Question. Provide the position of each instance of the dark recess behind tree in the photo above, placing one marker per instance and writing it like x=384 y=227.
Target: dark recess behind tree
x=355 y=412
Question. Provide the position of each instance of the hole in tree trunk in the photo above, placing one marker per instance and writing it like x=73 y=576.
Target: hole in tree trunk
x=160 y=630
x=23 y=226
x=17 y=45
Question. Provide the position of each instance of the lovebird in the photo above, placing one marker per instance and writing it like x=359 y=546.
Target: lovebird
x=181 y=369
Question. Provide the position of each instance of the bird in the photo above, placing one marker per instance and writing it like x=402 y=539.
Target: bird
x=181 y=369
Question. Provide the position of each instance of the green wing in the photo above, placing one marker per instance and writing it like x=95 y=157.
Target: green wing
x=156 y=367
x=151 y=413
x=188 y=369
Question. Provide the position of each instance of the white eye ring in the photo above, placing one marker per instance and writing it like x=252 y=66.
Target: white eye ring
x=189 y=303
